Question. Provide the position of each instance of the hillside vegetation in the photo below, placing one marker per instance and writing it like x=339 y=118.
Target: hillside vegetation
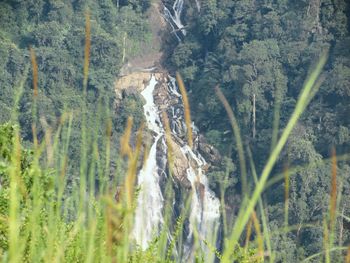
x=259 y=53
x=268 y=84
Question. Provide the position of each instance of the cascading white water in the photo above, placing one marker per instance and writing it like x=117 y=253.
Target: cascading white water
x=198 y=5
x=148 y=215
x=204 y=215
x=205 y=207
x=175 y=20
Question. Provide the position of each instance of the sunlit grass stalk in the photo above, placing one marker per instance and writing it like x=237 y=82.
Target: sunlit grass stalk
x=35 y=91
x=223 y=187
x=248 y=234
x=87 y=51
x=286 y=194
x=326 y=243
x=238 y=138
x=248 y=209
x=35 y=205
x=308 y=259
x=35 y=94
x=91 y=243
x=298 y=168
x=125 y=148
x=95 y=167
x=333 y=198
x=290 y=228
x=55 y=214
x=83 y=156
x=168 y=142
x=260 y=240
x=15 y=243
x=266 y=233
x=63 y=165
x=132 y=169
x=276 y=116
x=166 y=251
x=16 y=186
x=175 y=235
x=186 y=109
x=185 y=211
x=108 y=156
x=163 y=240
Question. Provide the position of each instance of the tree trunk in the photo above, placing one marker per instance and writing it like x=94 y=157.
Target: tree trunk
x=124 y=48
x=341 y=228
x=254 y=117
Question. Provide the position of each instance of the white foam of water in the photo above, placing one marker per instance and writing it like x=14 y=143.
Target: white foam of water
x=204 y=215
x=175 y=20
x=148 y=214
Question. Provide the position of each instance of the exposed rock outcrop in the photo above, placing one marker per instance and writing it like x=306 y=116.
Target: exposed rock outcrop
x=135 y=81
x=168 y=100
x=209 y=152
x=180 y=165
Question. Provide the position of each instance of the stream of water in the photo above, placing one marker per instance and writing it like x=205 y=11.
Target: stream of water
x=174 y=18
x=204 y=211
x=204 y=214
x=148 y=215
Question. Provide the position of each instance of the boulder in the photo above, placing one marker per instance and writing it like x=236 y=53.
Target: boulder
x=136 y=81
x=180 y=165
x=209 y=152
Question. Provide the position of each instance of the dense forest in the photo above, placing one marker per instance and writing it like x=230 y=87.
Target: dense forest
x=259 y=53
x=55 y=31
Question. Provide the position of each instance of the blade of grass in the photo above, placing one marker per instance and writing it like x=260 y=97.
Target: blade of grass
x=326 y=242
x=261 y=208
x=260 y=240
x=333 y=198
x=286 y=194
x=323 y=252
x=248 y=234
x=168 y=142
x=300 y=107
x=237 y=135
x=298 y=168
x=186 y=108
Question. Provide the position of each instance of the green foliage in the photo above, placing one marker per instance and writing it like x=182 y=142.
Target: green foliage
x=55 y=31
x=259 y=53
x=131 y=105
x=26 y=177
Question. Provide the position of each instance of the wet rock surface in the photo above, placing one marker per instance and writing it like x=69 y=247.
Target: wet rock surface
x=168 y=100
x=188 y=165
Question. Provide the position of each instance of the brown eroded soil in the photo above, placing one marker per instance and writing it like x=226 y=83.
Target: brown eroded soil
x=151 y=53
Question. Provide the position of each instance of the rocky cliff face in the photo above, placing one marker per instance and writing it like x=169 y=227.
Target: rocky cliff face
x=169 y=100
x=133 y=82
x=189 y=166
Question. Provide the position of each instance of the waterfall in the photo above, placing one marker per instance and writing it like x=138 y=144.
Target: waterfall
x=205 y=207
x=198 y=5
x=204 y=214
x=174 y=19
x=204 y=211
x=148 y=215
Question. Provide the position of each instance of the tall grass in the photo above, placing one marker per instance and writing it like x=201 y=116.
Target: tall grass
x=246 y=210
x=53 y=219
